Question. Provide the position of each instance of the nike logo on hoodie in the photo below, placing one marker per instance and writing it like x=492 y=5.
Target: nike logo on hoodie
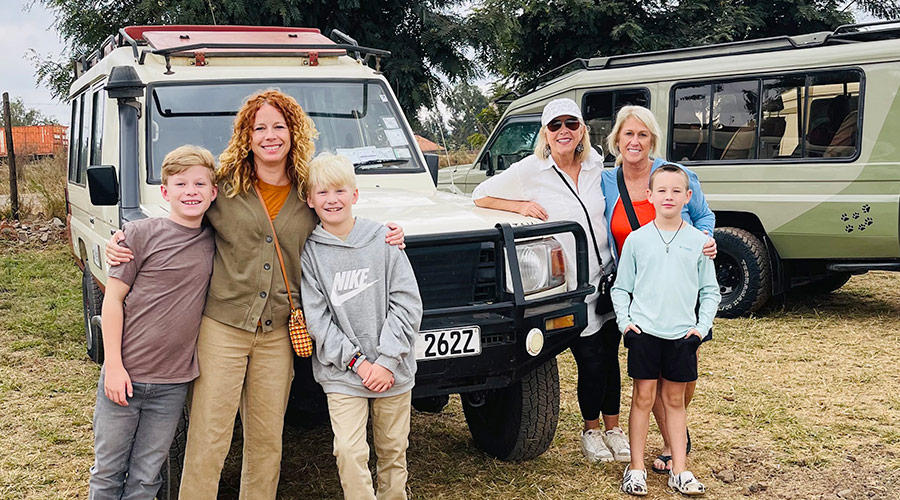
x=349 y=284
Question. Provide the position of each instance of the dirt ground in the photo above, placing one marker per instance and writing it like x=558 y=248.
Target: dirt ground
x=800 y=402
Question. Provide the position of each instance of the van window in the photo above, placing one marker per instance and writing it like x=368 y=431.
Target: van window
x=353 y=118
x=514 y=142
x=74 y=140
x=782 y=108
x=793 y=116
x=690 y=123
x=833 y=115
x=600 y=108
x=99 y=107
x=85 y=143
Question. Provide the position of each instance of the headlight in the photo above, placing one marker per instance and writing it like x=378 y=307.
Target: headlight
x=542 y=265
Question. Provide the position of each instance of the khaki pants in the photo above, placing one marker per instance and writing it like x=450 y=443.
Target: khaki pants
x=250 y=370
x=390 y=433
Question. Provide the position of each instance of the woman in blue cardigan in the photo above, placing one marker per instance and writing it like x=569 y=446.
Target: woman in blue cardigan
x=633 y=139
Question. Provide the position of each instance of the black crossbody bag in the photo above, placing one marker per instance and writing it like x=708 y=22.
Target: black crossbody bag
x=604 y=287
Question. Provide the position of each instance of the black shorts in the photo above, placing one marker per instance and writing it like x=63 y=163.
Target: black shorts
x=651 y=357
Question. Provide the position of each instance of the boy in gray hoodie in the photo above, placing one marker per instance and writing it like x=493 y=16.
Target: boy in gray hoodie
x=363 y=311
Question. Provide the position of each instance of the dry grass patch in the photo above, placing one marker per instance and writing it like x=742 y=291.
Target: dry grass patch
x=802 y=400
x=41 y=187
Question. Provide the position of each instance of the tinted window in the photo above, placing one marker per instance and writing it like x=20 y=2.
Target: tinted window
x=812 y=115
x=74 y=140
x=85 y=143
x=690 y=126
x=513 y=143
x=781 y=127
x=734 y=119
x=600 y=108
x=99 y=107
x=832 y=121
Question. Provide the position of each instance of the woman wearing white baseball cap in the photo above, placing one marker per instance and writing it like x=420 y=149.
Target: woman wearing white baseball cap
x=561 y=181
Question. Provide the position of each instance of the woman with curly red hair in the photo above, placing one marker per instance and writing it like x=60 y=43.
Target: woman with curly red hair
x=244 y=350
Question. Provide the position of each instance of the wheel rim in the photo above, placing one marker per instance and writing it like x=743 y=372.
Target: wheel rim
x=729 y=274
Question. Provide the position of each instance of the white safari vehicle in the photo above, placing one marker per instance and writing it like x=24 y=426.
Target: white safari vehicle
x=498 y=307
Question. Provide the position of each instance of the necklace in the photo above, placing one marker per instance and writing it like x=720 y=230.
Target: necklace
x=667 y=243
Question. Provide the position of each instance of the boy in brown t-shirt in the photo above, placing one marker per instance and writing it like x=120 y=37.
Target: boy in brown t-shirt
x=151 y=319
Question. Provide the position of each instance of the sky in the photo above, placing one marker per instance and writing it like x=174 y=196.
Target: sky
x=24 y=28
x=20 y=31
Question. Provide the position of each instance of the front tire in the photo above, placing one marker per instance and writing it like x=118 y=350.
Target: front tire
x=433 y=404
x=92 y=300
x=517 y=422
x=743 y=272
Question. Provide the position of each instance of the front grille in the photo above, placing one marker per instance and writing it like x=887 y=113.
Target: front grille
x=455 y=275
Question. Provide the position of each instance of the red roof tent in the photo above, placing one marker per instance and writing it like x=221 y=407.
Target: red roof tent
x=166 y=37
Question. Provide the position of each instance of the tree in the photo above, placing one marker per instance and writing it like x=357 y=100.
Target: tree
x=466 y=102
x=20 y=115
x=425 y=38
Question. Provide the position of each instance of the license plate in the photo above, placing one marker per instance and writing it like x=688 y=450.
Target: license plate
x=451 y=343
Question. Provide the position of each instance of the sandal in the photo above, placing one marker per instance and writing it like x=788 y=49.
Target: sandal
x=665 y=459
x=634 y=482
x=686 y=484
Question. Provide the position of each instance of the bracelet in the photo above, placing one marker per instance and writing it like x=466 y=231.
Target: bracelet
x=354 y=360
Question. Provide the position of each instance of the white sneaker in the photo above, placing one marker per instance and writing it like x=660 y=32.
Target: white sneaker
x=593 y=447
x=617 y=442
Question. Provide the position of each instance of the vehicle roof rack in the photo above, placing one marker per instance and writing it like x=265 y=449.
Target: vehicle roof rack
x=847 y=33
x=202 y=41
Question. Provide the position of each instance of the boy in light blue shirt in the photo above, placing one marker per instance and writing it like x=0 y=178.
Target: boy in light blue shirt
x=661 y=272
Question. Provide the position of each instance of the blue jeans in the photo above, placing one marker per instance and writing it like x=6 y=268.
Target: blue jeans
x=131 y=442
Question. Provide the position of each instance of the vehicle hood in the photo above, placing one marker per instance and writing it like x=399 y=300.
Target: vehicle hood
x=420 y=213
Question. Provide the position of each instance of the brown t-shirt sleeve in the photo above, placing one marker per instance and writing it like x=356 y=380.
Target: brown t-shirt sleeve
x=136 y=240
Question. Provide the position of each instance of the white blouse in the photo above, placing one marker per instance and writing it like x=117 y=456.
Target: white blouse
x=533 y=179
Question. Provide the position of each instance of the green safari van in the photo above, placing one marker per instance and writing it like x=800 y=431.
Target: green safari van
x=796 y=141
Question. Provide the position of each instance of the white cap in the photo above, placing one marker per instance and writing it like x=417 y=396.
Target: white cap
x=560 y=107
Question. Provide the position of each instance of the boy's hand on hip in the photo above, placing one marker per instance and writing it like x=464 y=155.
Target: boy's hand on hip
x=632 y=328
x=379 y=379
x=117 y=385
x=694 y=331
x=115 y=253
x=395 y=235
x=710 y=249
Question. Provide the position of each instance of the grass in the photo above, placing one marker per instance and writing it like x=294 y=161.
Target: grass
x=41 y=187
x=801 y=400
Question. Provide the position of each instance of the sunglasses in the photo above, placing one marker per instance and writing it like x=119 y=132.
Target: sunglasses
x=570 y=123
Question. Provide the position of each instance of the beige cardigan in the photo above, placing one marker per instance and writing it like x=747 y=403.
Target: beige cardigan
x=246 y=288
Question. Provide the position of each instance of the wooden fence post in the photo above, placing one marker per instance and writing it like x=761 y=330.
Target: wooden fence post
x=11 y=158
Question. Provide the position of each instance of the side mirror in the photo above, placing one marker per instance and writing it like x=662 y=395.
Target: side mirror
x=487 y=165
x=431 y=161
x=103 y=185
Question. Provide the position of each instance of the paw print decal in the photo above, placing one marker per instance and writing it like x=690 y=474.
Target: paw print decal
x=854 y=221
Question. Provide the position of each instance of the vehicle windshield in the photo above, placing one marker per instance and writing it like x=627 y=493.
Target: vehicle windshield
x=357 y=119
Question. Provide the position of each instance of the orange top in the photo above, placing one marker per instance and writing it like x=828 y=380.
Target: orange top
x=619 y=224
x=273 y=197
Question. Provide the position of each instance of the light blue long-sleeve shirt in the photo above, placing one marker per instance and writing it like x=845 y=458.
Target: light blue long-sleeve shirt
x=657 y=290
x=696 y=212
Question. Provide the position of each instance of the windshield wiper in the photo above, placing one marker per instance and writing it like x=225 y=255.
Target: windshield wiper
x=370 y=164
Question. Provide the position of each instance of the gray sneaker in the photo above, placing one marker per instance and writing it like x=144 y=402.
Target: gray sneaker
x=617 y=442
x=593 y=447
